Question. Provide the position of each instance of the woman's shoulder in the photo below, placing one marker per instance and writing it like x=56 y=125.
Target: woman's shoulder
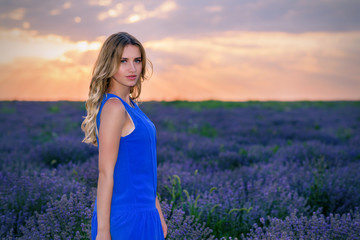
x=113 y=107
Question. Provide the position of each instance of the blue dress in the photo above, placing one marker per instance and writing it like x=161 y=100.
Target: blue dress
x=133 y=214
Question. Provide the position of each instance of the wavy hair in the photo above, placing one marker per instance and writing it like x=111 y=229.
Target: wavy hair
x=106 y=65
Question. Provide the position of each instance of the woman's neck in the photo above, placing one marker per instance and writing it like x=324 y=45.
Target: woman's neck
x=121 y=91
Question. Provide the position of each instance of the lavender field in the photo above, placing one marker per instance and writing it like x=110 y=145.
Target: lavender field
x=246 y=170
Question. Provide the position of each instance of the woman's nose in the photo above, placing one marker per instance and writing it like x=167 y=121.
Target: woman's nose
x=132 y=67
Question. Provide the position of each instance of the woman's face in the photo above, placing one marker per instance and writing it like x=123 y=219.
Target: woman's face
x=130 y=66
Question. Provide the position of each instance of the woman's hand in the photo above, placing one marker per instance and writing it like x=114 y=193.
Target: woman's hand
x=103 y=235
x=163 y=223
x=164 y=227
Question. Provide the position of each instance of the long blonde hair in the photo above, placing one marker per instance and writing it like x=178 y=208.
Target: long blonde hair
x=106 y=65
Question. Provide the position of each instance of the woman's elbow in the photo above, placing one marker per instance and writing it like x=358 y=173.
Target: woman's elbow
x=105 y=175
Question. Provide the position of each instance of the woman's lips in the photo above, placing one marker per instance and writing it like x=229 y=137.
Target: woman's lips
x=131 y=77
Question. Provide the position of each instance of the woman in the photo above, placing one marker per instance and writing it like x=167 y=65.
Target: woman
x=126 y=205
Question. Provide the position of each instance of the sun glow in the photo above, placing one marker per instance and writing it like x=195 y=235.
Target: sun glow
x=18 y=43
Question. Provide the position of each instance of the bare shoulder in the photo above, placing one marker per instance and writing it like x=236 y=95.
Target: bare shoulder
x=113 y=110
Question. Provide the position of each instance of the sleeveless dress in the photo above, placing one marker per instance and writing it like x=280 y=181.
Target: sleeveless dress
x=133 y=214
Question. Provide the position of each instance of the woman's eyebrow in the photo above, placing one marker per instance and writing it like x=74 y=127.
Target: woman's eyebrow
x=125 y=58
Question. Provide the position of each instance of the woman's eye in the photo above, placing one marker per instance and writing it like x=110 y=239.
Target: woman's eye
x=123 y=61
x=138 y=60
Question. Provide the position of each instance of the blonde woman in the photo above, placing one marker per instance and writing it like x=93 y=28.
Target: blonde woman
x=126 y=205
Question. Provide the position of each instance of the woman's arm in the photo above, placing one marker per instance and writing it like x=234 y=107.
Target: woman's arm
x=163 y=223
x=112 y=121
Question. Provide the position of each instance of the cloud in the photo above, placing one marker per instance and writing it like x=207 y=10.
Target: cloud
x=112 y=12
x=43 y=80
x=214 y=9
x=16 y=14
x=136 y=12
x=19 y=43
x=60 y=9
x=26 y=25
x=44 y=67
x=252 y=65
x=158 y=19
x=67 y=5
x=100 y=2
x=230 y=65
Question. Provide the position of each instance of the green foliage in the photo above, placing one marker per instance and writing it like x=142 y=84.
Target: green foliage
x=192 y=205
x=222 y=148
x=222 y=225
x=318 y=197
x=205 y=130
x=54 y=108
x=71 y=125
x=227 y=224
x=198 y=106
x=45 y=136
x=317 y=126
x=276 y=105
x=175 y=190
x=275 y=148
x=344 y=134
x=169 y=125
x=243 y=152
x=254 y=130
x=7 y=110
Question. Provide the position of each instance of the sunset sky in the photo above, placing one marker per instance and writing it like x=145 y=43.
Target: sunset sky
x=234 y=50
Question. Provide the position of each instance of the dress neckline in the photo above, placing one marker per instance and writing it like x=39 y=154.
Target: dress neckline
x=132 y=102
